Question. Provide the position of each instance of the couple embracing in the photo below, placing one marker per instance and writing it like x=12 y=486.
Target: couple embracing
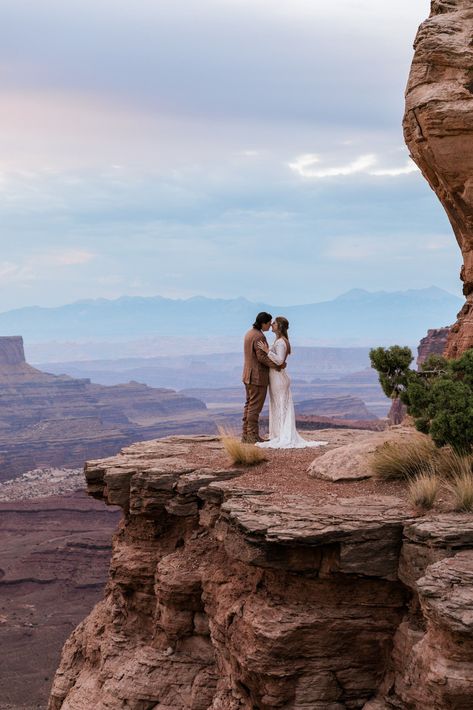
x=266 y=366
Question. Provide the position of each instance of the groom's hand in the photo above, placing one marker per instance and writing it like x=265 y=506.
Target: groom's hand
x=262 y=345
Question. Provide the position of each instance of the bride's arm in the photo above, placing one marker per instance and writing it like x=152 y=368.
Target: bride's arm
x=279 y=356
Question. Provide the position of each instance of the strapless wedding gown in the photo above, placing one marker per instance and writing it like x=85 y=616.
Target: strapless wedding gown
x=282 y=418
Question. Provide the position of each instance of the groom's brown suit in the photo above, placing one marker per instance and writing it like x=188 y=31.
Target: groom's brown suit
x=256 y=379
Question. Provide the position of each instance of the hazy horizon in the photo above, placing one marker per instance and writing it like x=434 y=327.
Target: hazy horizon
x=237 y=297
x=147 y=326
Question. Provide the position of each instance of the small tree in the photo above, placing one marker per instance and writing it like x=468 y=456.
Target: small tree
x=392 y=365
x=439 y=396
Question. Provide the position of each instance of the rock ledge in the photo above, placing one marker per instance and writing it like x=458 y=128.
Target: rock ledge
x=223 y=598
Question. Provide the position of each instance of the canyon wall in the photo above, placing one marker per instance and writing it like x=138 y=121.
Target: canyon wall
x=56 y=420
x=54 y=565
x=224 y=596
x=434 y=343
x=438 y=129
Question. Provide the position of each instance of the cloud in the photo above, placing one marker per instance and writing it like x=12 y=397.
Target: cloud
x=355 y=249
x=410 y=167
x=38 y=266
x=304 y=165
x=250 y=60
x=439 y=243
x=11 y=272
x=70 y=257
x=154 y=157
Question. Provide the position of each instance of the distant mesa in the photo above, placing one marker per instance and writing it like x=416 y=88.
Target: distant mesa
x=338 y=407
x=11 y=350
x=13 y=366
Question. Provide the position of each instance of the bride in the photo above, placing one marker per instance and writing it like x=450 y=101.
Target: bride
x=282 y=419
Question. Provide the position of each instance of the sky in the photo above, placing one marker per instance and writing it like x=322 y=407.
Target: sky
x=223 y=148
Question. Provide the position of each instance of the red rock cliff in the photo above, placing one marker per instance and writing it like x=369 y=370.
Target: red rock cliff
x=438 y=128
x=221 y=597
x=434 y=343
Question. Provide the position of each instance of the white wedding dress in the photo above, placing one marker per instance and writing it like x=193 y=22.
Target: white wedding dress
x=282 y=418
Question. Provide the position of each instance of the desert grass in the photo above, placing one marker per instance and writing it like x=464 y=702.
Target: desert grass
x=449 y=464
x=461 y=487
x=239 y=452
x=423 y=489
x=404 y=460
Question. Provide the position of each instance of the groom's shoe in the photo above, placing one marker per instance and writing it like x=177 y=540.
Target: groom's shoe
x=260 y=439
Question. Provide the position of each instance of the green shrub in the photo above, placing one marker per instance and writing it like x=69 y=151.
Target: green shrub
x=439 y=396
x=392 y=364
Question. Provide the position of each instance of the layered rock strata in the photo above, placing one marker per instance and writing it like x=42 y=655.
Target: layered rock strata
x=338 y=407
x=223 y=596
x=438 y=129
x=55 y=554
x=50 y=420
x=434 y=343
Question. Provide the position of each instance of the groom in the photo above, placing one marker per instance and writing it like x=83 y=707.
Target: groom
x=255 y=377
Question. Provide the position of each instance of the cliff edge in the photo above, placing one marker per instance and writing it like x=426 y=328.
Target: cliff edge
x=226 y=595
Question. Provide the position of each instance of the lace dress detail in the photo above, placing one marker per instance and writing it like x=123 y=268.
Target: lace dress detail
x=282 y=418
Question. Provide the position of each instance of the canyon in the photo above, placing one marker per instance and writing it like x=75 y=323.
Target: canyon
x=288 y=586
x=57 y=420
x=53 y=568
x=240 y=590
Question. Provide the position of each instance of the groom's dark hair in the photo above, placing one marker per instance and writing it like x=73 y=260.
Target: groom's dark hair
x=262 y=318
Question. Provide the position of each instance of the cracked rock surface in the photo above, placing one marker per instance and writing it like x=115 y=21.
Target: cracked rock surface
x=223 y=597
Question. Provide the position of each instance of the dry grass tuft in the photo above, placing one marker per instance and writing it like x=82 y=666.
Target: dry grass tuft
x=449 y=465
x=406 y=459
x=461 y=487
x=422 y=490
x=240 y=453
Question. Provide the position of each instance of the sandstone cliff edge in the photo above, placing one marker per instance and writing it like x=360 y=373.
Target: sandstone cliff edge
x=224 y=596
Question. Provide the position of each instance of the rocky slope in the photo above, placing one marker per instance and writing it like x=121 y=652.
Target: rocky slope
x=338 y=407
x=50 y=420
x=434 y=343
x=55 y=553
x=438 y=128
x=226 y=594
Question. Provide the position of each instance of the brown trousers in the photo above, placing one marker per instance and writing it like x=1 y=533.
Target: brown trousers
x=255 y=396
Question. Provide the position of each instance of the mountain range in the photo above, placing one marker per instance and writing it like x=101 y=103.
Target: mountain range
x=357 y=317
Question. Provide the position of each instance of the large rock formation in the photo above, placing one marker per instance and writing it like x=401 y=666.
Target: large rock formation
x=224 y=596
x=50 y=420
x=434 y=343
x=438 y=128
x=11 y=350
x=338 y=407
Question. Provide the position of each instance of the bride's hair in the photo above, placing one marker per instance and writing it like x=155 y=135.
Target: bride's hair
x=283 y=327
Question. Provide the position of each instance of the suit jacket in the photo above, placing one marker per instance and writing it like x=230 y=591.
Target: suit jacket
x=257 y=363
